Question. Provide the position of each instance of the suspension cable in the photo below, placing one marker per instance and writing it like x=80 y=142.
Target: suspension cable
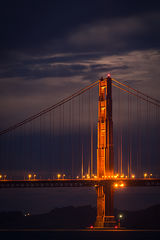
x=133 y=89
x=156 y=104
x=65 y=100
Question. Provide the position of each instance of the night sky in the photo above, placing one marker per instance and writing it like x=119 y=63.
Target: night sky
x=48 y=49
x=51 y=48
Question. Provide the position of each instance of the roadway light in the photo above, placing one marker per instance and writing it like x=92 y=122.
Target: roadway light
x=133 y=176
x=116 y=185
x=29 y=176
x=34 y=176
x=58 y=176
x=5 y=177
x=145 y=175
x=0 y=177
x=121 y=185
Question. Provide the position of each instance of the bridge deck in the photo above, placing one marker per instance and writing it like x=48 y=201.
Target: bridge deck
x=79 y=183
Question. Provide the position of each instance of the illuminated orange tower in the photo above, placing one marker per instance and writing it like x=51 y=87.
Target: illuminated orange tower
x=105 y=129
x=105 y=216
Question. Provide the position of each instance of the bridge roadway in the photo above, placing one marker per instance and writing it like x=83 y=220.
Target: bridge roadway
x=44 y=183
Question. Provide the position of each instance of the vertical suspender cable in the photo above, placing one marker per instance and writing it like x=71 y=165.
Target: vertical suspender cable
x=118 y=142
x=72 y=132
x=79 y=136
x=89 y=147
x=121 y=156
x=53 y=147
x=82 y=130
x=147 y=138
x=137 y=140
x=70 y=140
x=50 y=143
x=63 y=140
x=91 y=122
x=130 y=136
x=128 y=142
x=139 y=136
x=40 y=131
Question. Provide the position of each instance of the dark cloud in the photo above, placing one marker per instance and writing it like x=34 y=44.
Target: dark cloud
x=56 y=67
x=38 y=26
x=59 y=39
x=45 y=45
x=37 y=71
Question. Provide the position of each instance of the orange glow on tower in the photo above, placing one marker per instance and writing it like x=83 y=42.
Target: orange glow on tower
x=105 y=129
x=105 y=211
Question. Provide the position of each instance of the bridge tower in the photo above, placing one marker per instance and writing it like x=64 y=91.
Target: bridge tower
x=105 y=129
x=105 y=168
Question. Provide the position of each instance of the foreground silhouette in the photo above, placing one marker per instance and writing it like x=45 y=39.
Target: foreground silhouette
x=78 y=218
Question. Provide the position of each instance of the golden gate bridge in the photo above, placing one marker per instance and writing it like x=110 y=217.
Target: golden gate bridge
x=70 y=145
